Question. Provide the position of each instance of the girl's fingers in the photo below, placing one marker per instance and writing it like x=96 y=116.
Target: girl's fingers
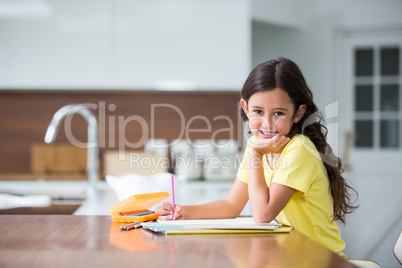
x=280 y=144
x=167 y=206
x=274 y=145
x=167 y=215
x=276 y=141
x=165 y=218
x=168 y=212
x=260 y=143
x=165 y=209
x=285 y=141
x=177 y=212
x=161 y=211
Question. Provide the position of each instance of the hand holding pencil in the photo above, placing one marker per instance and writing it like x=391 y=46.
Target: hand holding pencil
x=168 y=212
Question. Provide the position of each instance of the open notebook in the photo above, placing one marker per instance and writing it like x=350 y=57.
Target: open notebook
x=238 y=225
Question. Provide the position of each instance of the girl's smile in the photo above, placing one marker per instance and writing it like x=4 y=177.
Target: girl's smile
x=270 y=113
x=268 y=135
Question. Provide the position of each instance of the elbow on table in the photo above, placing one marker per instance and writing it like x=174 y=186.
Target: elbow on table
x=263 y=218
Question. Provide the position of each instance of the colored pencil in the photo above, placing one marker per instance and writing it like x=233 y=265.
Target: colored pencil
x=138 y=214
x=173 y=200
x=133 y=211
x=125 y=227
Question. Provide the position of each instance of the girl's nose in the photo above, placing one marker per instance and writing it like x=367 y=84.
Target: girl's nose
x=267 y=122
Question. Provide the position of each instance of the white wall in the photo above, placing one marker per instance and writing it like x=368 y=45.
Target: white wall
x=92 y=44
x=311 y=53
x=306 y=32
x=66 y=46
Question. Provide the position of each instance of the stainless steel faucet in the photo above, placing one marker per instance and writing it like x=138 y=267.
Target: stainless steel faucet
x=92 y=140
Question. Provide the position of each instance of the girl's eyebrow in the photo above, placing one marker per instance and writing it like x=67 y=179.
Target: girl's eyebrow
x=256 y=107
x=281 y=109
x=278 y=108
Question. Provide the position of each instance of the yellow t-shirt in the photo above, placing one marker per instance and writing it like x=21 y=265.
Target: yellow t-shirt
x=310 y=209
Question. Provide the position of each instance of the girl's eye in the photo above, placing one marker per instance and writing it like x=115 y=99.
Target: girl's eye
x=258 y=111
x=278 y=114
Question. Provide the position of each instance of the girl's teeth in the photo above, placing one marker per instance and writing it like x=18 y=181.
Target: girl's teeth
x=268 y=133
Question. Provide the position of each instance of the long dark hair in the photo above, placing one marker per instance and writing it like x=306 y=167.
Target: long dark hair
x=285 y=74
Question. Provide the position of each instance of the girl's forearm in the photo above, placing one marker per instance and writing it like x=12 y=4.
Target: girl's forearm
x=257 y=188
x=220 y=209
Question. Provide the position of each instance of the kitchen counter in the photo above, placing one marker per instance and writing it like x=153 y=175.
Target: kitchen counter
x=54 y=189
x=94 y=241
x=67 y=192
x=99 y=203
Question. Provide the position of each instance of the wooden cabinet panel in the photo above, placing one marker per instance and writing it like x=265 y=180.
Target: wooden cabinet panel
x=58 y=158
x=25 y=116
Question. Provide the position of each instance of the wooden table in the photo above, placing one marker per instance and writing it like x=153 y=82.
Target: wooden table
x=94 y=241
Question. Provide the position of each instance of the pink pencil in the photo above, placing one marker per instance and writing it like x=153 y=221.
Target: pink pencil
x=173 y=203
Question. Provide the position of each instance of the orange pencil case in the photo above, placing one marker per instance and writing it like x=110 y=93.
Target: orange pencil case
x=136 y=203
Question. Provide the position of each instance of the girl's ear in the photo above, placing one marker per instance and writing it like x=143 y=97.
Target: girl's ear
x=300 y=112
x=244 y=105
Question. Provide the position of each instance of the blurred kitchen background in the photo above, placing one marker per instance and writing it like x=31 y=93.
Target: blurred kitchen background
x=147 y=69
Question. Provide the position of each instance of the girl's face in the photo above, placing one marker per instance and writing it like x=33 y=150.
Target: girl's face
x=271 y=112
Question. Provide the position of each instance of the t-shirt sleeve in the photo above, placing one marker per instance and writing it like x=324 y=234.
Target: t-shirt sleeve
x=298 y=167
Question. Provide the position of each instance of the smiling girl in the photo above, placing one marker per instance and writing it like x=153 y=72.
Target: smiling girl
x=289 y=171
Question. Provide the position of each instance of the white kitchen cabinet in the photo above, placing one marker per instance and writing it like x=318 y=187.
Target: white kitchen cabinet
x=67 y=47
x=119 y=44
x=193 y=44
